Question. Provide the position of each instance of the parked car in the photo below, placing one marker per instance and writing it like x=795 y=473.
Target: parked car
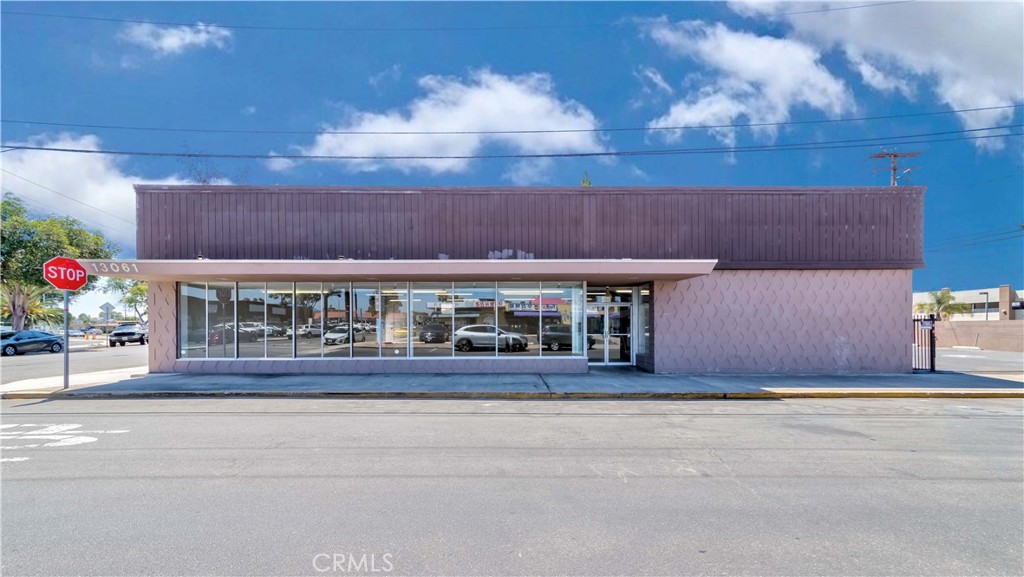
x=228 y=330
x=434 y=333
x=276 y=330
x=19 y=343
x=557 y=337
x=128 y=333
x=305 y=331
x=340 y=334
x=487 y=336
x=256 y=329
x=75 y=333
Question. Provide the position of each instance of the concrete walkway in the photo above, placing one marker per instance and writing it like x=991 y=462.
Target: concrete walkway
x=598 y=384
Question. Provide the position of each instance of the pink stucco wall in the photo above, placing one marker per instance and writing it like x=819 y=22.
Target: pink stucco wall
x=784 y=321
x=162 y=354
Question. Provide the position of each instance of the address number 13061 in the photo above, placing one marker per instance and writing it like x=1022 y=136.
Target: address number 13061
x=102 y=267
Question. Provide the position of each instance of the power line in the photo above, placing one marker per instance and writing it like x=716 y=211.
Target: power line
x=973 y=244
x=478 y=132
x=395 y=28
x=50 y=210
x=68 y=197
x=821 y=145
x=979 y=236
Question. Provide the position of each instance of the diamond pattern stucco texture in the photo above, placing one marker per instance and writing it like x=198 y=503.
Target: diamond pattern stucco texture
x=784 y=321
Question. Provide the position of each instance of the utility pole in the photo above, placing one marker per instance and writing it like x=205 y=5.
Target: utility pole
x=892 y=155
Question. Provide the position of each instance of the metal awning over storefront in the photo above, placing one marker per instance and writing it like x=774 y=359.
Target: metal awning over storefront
x=598 y=271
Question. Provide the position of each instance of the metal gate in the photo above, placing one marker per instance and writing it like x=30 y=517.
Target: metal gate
x=924 y=343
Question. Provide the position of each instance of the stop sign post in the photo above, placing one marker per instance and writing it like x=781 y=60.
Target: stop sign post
x=67 y=275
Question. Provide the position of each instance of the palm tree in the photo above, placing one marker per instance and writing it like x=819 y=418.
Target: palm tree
x=36 y=310
x=943 y=305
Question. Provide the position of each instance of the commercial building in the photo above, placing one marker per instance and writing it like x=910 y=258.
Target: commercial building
x=284 y=279
x=1000 y=303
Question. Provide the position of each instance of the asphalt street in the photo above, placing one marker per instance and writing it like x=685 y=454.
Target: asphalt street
x=36 y=365
x=296 y=486
x=978 y=361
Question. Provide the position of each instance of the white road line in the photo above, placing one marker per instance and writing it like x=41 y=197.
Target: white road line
x=13 y=459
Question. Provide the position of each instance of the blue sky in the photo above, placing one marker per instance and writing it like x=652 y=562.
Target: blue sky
x=476 y=67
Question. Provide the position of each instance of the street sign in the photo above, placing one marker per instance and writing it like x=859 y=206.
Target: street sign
x=65 y=273
x=107 y=307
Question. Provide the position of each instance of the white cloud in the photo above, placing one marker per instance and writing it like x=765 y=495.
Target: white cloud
x=279 y=164
x=529 y=171
x=168 y=40
x=760 y=79
x=96 y=180
x=873 y=76
x=486 y=101
x=248 y=111
x=968 y=53
x=393 y=73
x=652 y=80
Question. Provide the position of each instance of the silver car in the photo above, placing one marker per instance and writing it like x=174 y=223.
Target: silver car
x=470 y=337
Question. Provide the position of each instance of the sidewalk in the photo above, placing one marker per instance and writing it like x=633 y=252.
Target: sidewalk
x=598 y=384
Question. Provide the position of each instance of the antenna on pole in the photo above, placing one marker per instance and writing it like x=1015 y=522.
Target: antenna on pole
x=893 y=168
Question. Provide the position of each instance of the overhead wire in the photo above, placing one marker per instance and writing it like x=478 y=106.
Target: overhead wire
x=71 y=198
x=819 y=145
x=403 y=29
x=521 y=131
x=51 y=210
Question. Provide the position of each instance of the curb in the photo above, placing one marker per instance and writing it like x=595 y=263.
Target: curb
x=471 y=395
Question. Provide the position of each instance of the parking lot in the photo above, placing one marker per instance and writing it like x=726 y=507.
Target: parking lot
x=96 y=357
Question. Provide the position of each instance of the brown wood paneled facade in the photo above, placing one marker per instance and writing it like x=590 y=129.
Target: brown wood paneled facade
x=744 y=228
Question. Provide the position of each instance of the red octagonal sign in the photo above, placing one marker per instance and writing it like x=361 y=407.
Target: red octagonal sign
x=65 y=273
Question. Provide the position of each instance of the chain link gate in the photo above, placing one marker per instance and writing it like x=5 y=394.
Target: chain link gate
x=924 y=343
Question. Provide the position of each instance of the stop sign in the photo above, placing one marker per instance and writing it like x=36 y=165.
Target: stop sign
x=65 y=273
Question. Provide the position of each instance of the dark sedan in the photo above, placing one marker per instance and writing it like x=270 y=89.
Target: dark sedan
x=30 y=342
x=558 y=337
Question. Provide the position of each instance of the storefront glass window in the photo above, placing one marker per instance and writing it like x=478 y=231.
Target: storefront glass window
x=192 y=320
x=280 y=302
x=220 y=318
x=562 y=334
x=643 y=340
x=366 y=315
x=432 y=310
x=308 y=332
x=252 y=308
x=338 y=332
x=475 y=332
x=520 y=310
x=394 y=308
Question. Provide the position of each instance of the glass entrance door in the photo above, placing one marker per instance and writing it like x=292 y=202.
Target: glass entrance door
x=609 y=334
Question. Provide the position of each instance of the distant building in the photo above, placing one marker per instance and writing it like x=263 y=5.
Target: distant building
x=989 y=304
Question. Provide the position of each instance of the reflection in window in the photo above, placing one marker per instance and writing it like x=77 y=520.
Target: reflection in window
x=643 y=340
x=432 y=319
x=338 y=332
x=394 y=303
x=562 y=334
x=279 y=319
x=520 y=311
x=366 y=316
x=192 y=320
x=220 y=317
x=474 y=311
x=308 y=319
x=252 y=309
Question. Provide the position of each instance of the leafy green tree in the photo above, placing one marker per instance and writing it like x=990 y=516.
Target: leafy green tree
x=132 y=293
x=27 y=243
x=38 y=308
x=943 y=305
x=84 y=319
